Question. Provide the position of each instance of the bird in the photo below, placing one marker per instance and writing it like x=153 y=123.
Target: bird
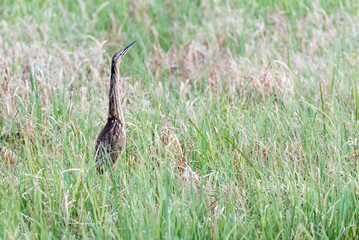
x=111 y=140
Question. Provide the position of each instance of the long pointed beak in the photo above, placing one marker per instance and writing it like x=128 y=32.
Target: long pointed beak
x=120 y=54
x=127 y=48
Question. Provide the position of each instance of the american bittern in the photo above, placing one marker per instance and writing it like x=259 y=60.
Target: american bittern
x=112 y=139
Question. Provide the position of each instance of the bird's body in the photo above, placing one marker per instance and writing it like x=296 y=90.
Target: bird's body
x=112 y=139
x=110 y=143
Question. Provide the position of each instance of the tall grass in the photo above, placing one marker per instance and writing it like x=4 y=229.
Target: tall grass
x=242 y=119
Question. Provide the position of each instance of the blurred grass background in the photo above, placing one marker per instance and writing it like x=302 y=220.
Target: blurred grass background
x=242 y=119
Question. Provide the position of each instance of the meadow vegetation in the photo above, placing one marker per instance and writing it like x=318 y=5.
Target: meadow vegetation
x=241 y=116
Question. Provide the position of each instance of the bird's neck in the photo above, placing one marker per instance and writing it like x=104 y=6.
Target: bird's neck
x=115 y=110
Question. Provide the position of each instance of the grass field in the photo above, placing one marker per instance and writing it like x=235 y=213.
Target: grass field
x=242 y=119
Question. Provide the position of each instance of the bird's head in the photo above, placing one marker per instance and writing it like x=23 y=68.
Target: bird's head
x=118 y=56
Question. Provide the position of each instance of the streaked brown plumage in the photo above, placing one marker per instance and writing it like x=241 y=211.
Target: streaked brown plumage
x=112 y=139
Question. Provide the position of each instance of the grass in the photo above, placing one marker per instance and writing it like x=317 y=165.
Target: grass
x=242 y=119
